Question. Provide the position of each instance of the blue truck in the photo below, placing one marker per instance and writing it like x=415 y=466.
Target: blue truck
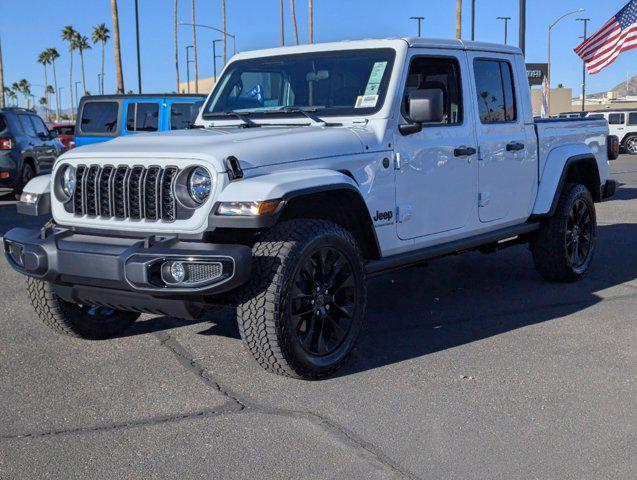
x=104 y=117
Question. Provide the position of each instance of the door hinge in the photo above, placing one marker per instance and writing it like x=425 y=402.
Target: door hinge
x=483 y=199
x=403 y=213
x=397 y=161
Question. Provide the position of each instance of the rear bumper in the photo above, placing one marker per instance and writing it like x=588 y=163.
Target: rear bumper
x=610 y=187
x=124 y=273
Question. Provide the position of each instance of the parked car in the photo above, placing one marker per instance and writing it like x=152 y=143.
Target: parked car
x=65 y=133
x=104 y=117
x=27 y=148
x=623 y=124
x=314 y=167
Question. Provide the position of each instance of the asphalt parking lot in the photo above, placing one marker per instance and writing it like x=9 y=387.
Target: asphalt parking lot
x=473 y=368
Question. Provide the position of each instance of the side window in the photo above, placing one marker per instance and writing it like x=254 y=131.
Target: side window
x=142 y=117
x=494 y=86
x=427 y=73
x=616 y=119
x=40 y=127
x=182 y=115
x=99 y=117
x=27 y=126
x=632 y=119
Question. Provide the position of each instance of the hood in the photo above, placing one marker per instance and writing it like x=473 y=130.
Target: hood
x=254 y=147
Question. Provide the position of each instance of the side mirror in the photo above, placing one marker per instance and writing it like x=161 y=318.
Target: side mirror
x=424 y=106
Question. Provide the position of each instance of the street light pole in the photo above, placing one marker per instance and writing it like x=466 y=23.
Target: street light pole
x=99 y=84
x=419 y=19
x=549 y=51
x=585 y=21
x=233 y=37
x=188 y=61
x=139 y=61
x=76 y=84
x=214 y=57
x=506 y=27
x=58 y=93
x=522 y=32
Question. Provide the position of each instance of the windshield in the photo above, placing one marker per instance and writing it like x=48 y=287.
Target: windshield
x=350 y=82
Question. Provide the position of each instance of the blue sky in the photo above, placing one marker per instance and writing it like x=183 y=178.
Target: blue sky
x=29 y=26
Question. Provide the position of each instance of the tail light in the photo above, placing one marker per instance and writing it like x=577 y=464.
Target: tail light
x=6 y=144
x=612 y=144
x=71 y=144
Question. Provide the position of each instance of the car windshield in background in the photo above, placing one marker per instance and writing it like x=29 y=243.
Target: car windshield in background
x=348 y=82
x=99 y=117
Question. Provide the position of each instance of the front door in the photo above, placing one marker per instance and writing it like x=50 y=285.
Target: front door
x=436 y=180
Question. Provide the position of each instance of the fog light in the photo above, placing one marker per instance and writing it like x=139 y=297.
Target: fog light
x=16 y=252
x=173 y=272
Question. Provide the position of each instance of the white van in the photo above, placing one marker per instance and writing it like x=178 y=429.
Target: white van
x=623 y=124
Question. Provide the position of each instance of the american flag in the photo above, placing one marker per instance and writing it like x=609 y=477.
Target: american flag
x=616 y=36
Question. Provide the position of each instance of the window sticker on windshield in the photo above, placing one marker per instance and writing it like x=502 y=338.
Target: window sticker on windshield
x=366 y=101
x=373 y=84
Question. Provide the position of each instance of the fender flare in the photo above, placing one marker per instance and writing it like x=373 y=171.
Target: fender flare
x=551 y=184
x=40 y=188
x=284 y=185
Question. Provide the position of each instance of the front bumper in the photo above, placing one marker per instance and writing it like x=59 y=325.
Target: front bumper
x=124 y=273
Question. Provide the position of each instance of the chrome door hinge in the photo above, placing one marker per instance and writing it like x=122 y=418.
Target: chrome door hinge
x=397 y=161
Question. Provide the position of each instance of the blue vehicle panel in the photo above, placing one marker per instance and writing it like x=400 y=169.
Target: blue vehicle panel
x=104 y=117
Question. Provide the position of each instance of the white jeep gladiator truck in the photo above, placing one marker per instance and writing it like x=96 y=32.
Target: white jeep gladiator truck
x=308 y=170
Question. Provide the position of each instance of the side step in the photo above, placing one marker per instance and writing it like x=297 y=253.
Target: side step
x=408 y=259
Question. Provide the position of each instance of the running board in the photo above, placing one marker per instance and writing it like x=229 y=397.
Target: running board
x=408 y=259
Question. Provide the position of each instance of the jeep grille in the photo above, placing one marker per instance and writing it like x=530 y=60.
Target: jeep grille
x=125 y=192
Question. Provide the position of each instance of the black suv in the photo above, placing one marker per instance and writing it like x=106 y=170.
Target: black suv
x=27 y=147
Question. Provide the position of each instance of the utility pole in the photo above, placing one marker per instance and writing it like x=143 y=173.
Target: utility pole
x=506 y=27
x=459 y=19
x=1 y=79
x=473 y=20
x=522 y=38
x=188 y=61
x=282 y=21
x=585 y=22
x=419 y=19
x=139 y=61
x=311 y=20
x=214 y=58
x=76 y=97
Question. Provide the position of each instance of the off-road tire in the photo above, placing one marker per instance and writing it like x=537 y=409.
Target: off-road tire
x=549 y=246
x=74 y=320
x=263 y=316
x=630 y=144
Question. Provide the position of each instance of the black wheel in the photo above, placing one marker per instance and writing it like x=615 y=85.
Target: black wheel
x=303 y=310
x=563 y=248
x=630 y=144
x=83 y=321
x=25 y=176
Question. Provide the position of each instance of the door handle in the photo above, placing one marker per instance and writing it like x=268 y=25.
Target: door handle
x=515 y=147
x=464 y=151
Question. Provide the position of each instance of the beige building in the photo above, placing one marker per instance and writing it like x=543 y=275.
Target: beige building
x=205 y=86
x=561 y=100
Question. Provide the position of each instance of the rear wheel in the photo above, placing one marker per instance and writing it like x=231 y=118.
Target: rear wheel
x=630 y=144
x=26 y=175
x=83 y=321
x=303 y=309
x=564 y=246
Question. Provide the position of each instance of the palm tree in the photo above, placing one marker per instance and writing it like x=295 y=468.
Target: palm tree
x=43 y=59
x=282 y=23
x=458 y=19
x=101 y=34
x=11 y=95
x=176 y=38
x=223 y=27
x=116 y=47
x=81 y=42
x=53 y=56
x=194 y=44
x=296 y=28
x=70 y=35
x=2 y=87
x=24 y=87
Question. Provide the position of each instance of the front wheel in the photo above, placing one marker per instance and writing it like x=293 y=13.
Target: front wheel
x=563 y=248
x=83 y=321
x=630 y=144
x=303 y=310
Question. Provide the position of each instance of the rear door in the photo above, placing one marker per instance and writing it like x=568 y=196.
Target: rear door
x=507 y=173
x=617 y=124
x=47 y=151
x=31 y=142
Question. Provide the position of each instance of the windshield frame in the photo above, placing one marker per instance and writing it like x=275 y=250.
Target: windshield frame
x=279 y=112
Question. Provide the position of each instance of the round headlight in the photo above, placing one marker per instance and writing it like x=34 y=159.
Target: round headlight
x=199 y=184
x=68 y=180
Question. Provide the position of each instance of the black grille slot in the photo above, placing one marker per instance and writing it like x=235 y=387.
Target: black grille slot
x=125 y=192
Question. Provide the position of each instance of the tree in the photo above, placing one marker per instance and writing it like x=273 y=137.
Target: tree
x=2 y=87
x=223 y=27
x=69 y=35
x=101 y=34
x=81 y=43
x=53 y=56
x=311 y=20
x=11 y=95
x=194 y=46
x=176 y=40
x=116 y=47
x=296 y=28
x=24 y=87
x=44 y=60
x=458 y=19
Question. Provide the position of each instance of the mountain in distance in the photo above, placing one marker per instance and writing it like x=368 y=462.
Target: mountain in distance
x=619 y=89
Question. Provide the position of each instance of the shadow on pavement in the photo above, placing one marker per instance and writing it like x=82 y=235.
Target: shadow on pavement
x=624 y=193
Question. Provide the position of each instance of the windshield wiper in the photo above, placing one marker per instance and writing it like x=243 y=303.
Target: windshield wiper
x=307 y=112
x=247 y=123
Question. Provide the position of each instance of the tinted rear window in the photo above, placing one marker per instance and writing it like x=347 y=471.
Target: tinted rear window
x=27 y=126
x=142 y=117
x=632 y=119
x=616 y=119
x=3 y=124
x=99 y=117
x=182 y=115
